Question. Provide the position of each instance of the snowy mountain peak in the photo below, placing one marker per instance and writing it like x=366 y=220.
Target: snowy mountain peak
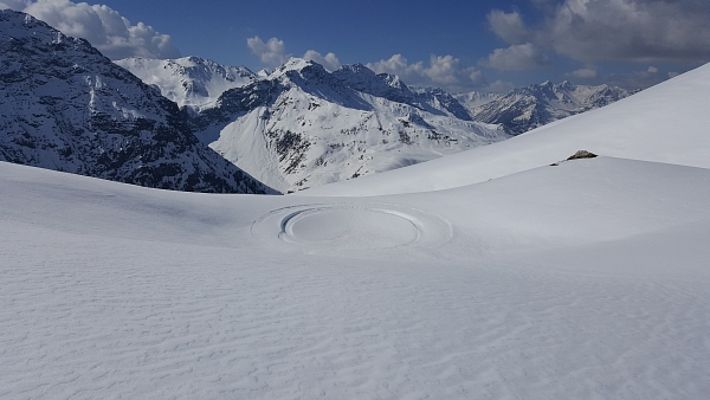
x=393 y=80
x=294 y=64
x=17 y=26
x=363 y=78
x=191 y=82
x=303 y=126
x=65 y=106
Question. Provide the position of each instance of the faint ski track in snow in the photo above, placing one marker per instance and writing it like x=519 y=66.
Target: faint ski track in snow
x=348 y=227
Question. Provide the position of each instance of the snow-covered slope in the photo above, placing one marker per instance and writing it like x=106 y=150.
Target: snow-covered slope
x=302 y=126
x=472 y=99
x=588 y=280
x=391 y=87
x=64 y=106
x=523 y=109
x=189 y=81
x=665 y=123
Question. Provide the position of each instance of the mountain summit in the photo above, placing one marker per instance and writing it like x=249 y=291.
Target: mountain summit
x=193 y=82
x=302 y=126
x=65 y=106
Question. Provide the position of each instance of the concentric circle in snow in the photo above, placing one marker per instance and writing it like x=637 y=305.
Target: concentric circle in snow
x=344 y=226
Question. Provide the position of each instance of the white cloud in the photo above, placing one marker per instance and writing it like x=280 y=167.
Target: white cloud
x=652 y=70
x=272 y=52
x=515 y=58
x=474 y=74
x=615 y=30
x=107 y=30
x=585 y=73
x=443 y=70
x=330 y=61
x=439 y=71
x=398 y=65
x=508 y=26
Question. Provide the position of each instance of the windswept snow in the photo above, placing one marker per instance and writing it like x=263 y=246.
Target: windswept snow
x=665 y=123
x=585 y=280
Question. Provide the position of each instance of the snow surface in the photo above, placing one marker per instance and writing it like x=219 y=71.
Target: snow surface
x=665 y=123
x=587 y=280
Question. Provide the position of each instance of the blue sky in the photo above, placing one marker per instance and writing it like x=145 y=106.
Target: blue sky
x=357 y=31
x=454 y=44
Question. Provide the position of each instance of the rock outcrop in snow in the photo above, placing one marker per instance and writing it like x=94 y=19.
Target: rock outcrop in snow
x=65 y=106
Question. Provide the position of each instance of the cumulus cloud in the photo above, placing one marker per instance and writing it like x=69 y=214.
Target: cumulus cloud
x=271 y=52
x=614 y=30
x=515 y=58
x=632 y=30
x=508 y=26
x=585 y=73
x=397 y=64
x=474 y=74
x=330 y=61
x=107 y=30
x=438 y=71
x=443 y=70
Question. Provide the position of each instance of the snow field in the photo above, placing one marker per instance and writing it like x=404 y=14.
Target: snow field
x=579 y=289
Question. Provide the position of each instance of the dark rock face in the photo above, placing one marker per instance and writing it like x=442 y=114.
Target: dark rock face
x=66 y=107
x=237 y=102
x=581 y=154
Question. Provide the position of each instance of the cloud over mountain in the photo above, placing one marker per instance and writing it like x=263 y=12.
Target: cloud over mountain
x=609 y=30
x=105 y=28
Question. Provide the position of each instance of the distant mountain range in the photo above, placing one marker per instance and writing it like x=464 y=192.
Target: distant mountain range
x=303 y=126
x=193 y=124
x=197 y=83
x=524 y=109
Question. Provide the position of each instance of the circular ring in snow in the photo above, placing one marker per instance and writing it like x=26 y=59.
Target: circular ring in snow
x=333 y=227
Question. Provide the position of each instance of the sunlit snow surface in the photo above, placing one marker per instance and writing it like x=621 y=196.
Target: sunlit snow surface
x=585 y=280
